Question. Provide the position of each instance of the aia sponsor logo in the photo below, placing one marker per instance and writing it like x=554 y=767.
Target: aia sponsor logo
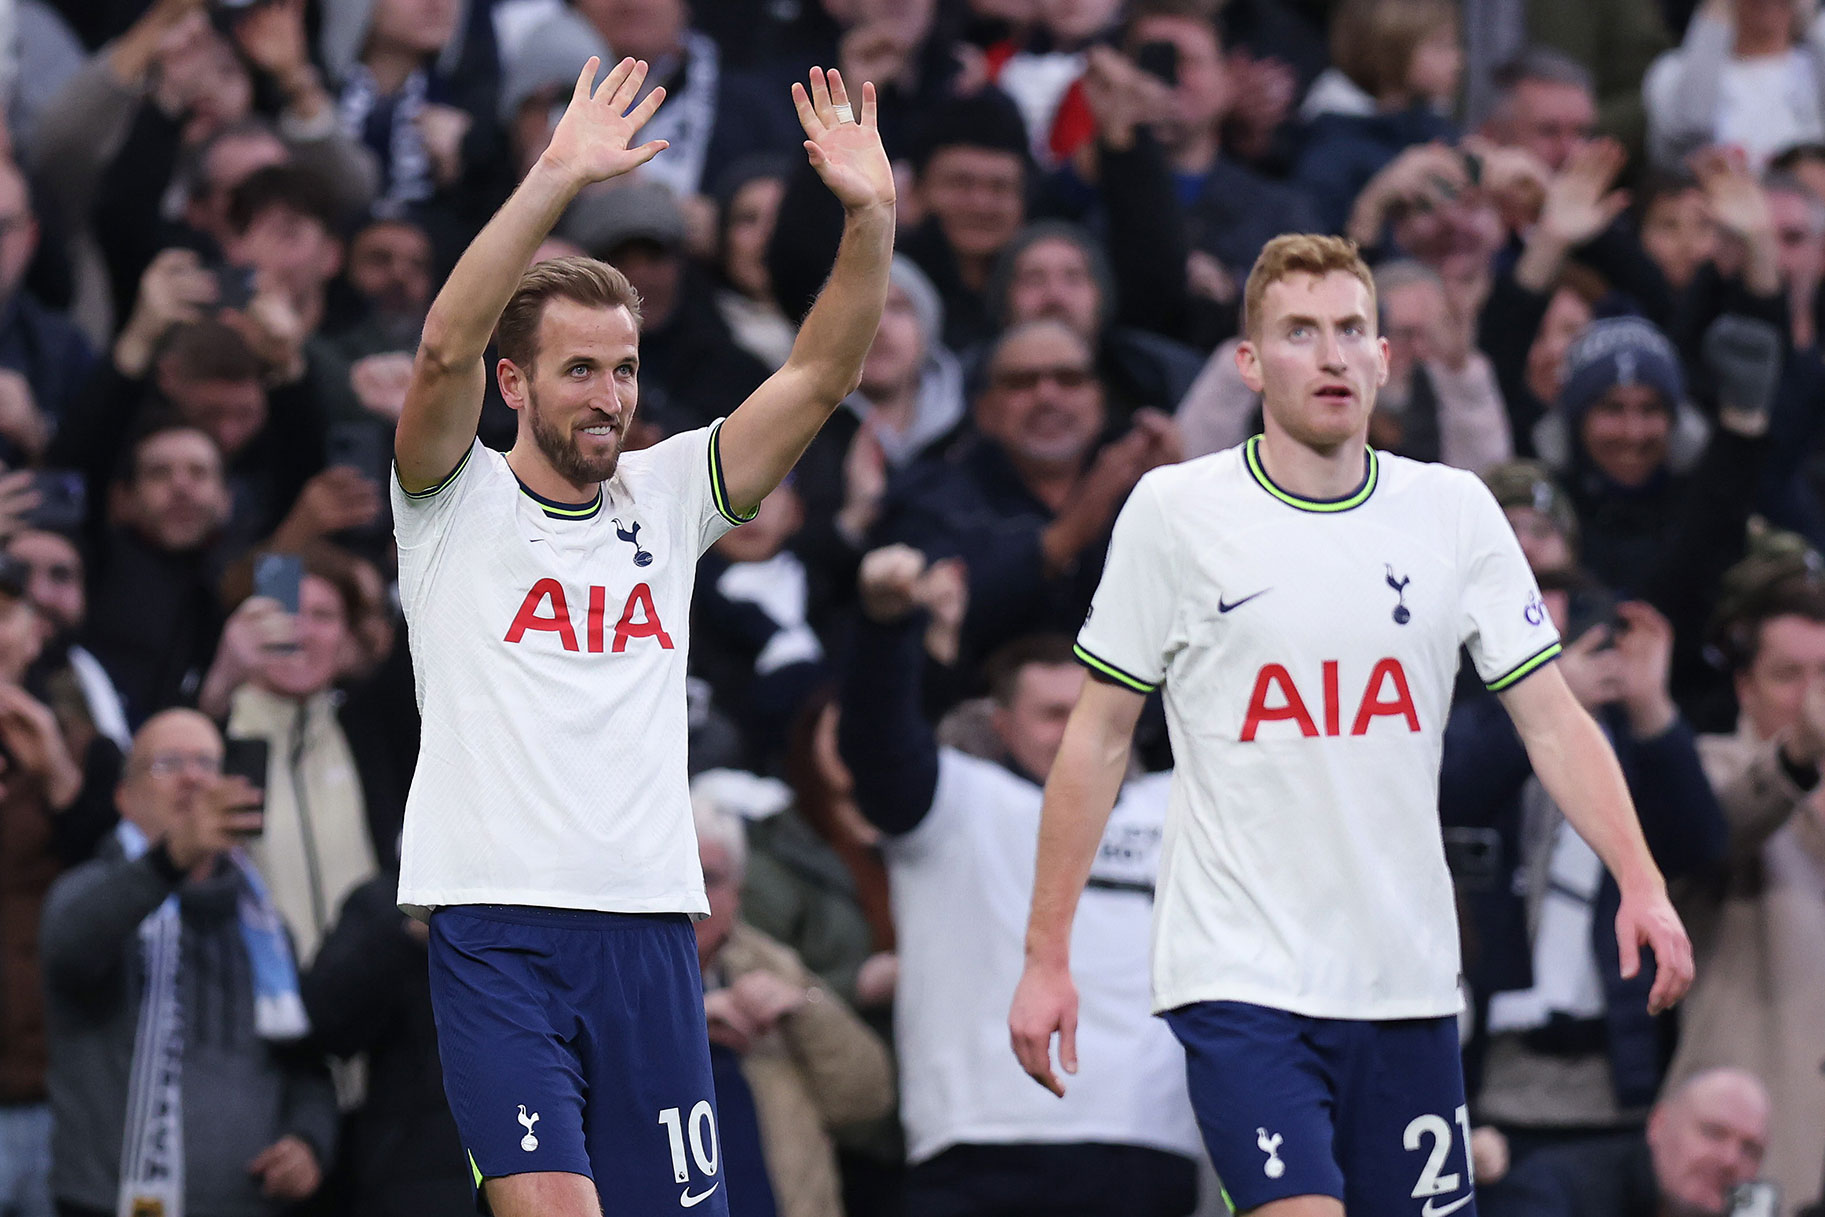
x=546 y=609
x=1277 y=699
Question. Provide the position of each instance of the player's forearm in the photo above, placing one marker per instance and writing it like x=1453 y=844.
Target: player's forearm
x=1579 y=770
x=837 y=332
x=463 y=315
x=1081 y=792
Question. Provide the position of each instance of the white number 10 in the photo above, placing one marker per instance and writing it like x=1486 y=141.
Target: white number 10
x=702 y=1129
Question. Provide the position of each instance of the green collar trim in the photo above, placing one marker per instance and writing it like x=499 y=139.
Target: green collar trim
x=563 y=511
x=1372 y=474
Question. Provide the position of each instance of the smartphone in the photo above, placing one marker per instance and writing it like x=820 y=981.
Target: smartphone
x=233 y=286
x=249 y=759
x=63 y=501
x=358 y=446
x=278 y=577
x=1756 y=1199
x=1159 y=59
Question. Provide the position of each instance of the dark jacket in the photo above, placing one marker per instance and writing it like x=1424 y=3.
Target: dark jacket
x=1612 y=1177
x=154 y=620
x=28 y=866
x=241 y=1093
x=47 y=350
x=1341 y=152
x=1481 y=776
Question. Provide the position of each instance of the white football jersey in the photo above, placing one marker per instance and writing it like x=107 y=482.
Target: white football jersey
x=548 y=645
x=1308 y=652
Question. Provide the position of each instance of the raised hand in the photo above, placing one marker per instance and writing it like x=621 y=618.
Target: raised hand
x=844 y=146
x=593 y=141
x=1579 y=200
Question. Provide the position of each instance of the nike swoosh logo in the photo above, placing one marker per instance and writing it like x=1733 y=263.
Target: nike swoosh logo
x=690 y=1202
x=1431 y=1210
x=1223 y=606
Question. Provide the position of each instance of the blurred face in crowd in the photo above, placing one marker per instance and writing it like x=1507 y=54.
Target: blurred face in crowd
x=781 y=514
x=894 y=359
x=390 y=265
x=56 y=589
x=1763 y=23
x=1566 y=315
x=175 y=758
x=1789 y=656
x=1072 y=21
x=722 y=887
x=21 y=637
x=1549 y=118
x=578 y=397
x=288 y=249
x=1413 y=314
x=1708 y=1138
x=231 y=160
x=230 y=412
x=1315 y=358
x=1437 y=63
x=749 y=227
x=657 y=273
x=910 y=21
x=1542 y=544
x=1052 y=280
x=1032 y=723
x=978 y=196
x=417 y=27
x=645 y=29
x=1202 y=97
x=214 y=85
x=1799 y=227
x=1044 y=404
x=177 y=498
x=323 y=639
x=1678 y=234
x=1627 y=433
x=374 y=634
x=18 y=230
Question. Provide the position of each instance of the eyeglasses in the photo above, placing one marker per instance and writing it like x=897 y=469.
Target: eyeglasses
x=170 y=764
x=1020 y=380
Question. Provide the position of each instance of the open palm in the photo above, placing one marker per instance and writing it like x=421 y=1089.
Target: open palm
x=592 y=139
x=846 y=152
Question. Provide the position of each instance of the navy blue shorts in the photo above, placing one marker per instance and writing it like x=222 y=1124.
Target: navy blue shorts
x=1372 y=1113
x=575 y=1041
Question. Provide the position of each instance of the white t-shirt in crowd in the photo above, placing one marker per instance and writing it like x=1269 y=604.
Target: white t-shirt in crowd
x=1308 y=652
x=961 y=885
x=548 y=644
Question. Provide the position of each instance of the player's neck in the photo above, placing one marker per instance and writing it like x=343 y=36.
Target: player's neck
x=537 y=475
x=1312 y=473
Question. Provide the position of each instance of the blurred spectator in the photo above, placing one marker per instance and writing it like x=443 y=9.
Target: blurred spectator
x=1040 y=72
x=1676 y=227
x=1054 y=270
x=1704 y=1139
x=389 y=274
x=39 y=37
x=1539 y=512
x=981 y=1138
x=1029 y=503
x=415 y=93
x=153 y=614
x=1545 y=104
x=1565 y=1046
x=691 y=369
x=1745 y=76
x=368 y=992
x=1440 y=401
x=791 y=1061
x=42 y=782
x=538 y=75
x=1759 y=1002
x=1393 y=86
x=971 y=186
x=748 y=202
x=42 y=346
x=1614 y=40
x=229 y=1112
x=1798 y=219
x=57 y=589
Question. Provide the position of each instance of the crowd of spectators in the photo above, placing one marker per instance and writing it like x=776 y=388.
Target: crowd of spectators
x=1598 y=232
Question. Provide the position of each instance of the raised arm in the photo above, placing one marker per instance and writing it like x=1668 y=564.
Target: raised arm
x=1574 y=762
x=1080 y=794
x=766 y=435
x=591 y=144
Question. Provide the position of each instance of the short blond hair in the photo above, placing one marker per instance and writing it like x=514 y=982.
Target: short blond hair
x=1301 y=253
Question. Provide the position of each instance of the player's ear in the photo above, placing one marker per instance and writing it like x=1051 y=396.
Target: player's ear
x=1381 y=360
x=1248 y=365
x=512 y=382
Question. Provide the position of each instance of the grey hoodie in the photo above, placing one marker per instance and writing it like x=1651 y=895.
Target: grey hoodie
x=240 y=1093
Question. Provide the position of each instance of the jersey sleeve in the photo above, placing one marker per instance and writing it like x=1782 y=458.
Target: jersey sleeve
x=1127 y=637
x=1504 y=623
x=690 y=464
x=420 y=517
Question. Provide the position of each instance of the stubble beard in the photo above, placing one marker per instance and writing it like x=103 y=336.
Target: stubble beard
x=561 y=452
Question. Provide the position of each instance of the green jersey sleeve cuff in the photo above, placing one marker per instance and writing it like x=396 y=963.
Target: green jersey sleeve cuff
x=1527 y=667
x=719 y=491
x=1103 y=667
x=442 y=483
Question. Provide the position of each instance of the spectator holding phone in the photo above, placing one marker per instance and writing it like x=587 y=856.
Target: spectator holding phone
x=232 y=1114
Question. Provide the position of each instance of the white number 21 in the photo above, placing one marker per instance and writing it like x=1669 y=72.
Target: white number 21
x=1431 y=1181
